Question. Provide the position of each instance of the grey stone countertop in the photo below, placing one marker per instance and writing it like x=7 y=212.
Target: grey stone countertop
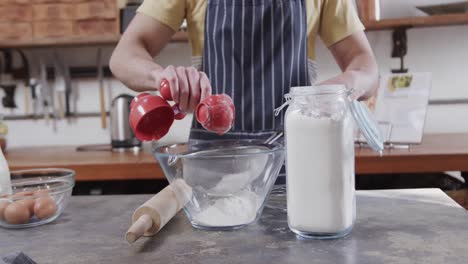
x=394 y=226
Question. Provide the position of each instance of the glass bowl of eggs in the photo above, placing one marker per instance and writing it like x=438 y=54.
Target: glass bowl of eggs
x=39 y=197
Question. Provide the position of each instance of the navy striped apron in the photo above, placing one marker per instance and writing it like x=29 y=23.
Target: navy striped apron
x=254 y=51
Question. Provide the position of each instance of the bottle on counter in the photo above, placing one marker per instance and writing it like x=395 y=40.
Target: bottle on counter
x=320 y=179
x=5 y=180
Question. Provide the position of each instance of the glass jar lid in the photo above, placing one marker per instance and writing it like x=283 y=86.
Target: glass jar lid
x=360 y=112
x=331 y=89
x=367 y=125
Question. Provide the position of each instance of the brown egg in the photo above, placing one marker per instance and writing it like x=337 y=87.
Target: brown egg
x=29 y=203
x=3 y=206
x=45 y=207
x=16 y=213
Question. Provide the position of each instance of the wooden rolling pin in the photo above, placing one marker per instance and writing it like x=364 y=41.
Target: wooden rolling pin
x=155 y=213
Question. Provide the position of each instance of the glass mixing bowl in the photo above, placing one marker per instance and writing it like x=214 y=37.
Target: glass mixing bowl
x=227 y=181
x=39 y=197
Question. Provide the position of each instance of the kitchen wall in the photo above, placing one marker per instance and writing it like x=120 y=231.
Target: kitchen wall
x=442 y=51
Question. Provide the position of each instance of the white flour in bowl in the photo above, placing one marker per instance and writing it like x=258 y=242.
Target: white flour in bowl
x=239 y=209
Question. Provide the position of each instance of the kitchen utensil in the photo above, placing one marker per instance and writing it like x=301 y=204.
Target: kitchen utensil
x=216 y=113
x=33 y=83
x=45 y=192
x=68 y=88
x=101 y=89
x=27 y=73
x=8 y=101
x=122 y=135
x=74 y=97
x=27 y=100
x=241 y=173
x=60 y=84
x=275 y=137
x=7 y=83
x=205 y=150
x=43 y=88
x=155 y=213
x=151 y=116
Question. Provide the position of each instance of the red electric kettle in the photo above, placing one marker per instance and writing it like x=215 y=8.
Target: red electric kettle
x=151 y=116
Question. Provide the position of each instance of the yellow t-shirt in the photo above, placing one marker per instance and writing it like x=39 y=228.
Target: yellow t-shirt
x=332 y=20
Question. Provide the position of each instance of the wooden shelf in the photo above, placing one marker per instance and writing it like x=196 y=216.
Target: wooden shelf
x=180 y=36
x=426 y=21
x=49 y=42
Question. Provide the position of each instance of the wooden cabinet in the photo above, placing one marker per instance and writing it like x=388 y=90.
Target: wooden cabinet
x=35 y=23
x=370 y=12
x=17 y=32
x=53 y=11
x=104 y=9
x=46 y=23
x=15 y=13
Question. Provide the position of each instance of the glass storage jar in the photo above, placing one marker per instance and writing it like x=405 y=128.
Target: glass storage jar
x=319 y=135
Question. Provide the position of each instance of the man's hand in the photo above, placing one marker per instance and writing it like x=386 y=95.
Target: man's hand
x=348 y=80
x=132 y=63
x=188 y=85
x=360 y=71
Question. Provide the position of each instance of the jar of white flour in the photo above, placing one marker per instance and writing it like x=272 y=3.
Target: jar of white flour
x=321 y=199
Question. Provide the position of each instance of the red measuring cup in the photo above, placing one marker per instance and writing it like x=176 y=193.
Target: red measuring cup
x=216 y=113
x=151 y=116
